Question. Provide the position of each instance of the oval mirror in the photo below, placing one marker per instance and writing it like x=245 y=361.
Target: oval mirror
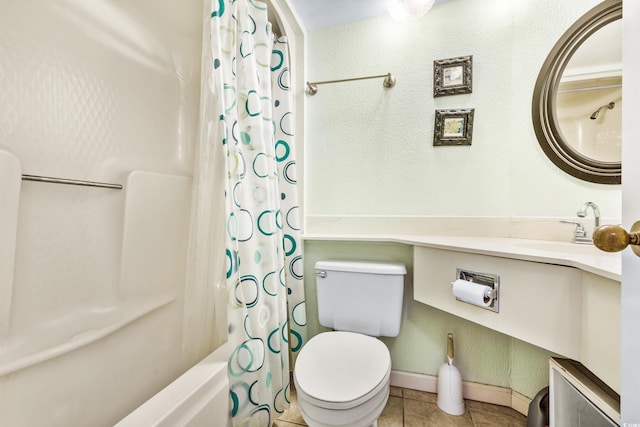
x=577 y=99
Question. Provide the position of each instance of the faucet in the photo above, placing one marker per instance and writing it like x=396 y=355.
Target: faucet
x=580 y=233
x=582 y=213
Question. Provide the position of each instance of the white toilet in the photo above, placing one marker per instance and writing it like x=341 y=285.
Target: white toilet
x=342 y=377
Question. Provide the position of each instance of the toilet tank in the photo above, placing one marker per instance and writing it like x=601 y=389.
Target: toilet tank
x=363 y=297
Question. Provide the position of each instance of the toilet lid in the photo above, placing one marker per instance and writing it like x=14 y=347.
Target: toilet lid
x=340 y=367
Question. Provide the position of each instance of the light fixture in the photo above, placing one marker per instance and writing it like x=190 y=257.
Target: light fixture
x=407 y=10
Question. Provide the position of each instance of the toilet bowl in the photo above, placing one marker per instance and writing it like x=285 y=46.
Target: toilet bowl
x=342 y=379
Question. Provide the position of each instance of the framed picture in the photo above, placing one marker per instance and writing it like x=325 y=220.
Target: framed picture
x=453 y=127
x=452 y=76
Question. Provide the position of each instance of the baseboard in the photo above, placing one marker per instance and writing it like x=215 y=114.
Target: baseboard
x=474 y=391
x=414 y=381
x=520 y=402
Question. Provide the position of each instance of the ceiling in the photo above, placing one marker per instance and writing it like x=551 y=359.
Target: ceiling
x=316 y=14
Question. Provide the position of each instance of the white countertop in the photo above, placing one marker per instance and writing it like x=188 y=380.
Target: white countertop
x=584 y=257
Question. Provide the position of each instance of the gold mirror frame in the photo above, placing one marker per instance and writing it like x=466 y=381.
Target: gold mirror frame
x=545 y=121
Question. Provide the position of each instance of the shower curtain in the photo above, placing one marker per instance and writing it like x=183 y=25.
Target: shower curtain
x=265 y=293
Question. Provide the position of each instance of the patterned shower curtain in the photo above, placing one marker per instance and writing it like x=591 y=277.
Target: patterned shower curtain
x=265 y=292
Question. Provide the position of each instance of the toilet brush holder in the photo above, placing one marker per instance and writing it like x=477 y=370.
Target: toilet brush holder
x=450 y=384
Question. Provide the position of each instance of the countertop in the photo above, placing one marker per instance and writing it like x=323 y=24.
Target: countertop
x=585 y=257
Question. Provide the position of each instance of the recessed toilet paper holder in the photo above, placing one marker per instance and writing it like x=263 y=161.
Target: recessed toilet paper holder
x=491 y=297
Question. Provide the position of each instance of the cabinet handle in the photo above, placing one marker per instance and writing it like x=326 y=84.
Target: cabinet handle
x=613 y=238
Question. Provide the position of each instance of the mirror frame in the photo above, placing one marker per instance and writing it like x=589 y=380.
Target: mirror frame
x=545 y=121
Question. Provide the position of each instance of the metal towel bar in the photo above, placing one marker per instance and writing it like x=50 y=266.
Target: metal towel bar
x=389 y=81
x=70 y=181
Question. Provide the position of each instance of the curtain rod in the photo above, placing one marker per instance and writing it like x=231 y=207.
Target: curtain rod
x=389 y=81
x=584 y=89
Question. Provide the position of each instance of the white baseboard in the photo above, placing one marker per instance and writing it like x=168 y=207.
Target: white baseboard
x=474 y=391
x=520 y=402
x=413 y=381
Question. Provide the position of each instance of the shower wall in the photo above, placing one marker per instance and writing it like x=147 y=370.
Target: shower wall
x=594 y=135
x=92 y=279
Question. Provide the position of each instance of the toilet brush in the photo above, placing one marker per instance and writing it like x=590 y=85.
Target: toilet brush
x=450 y=384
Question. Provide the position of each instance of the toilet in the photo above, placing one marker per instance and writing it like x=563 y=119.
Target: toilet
x=342 y=377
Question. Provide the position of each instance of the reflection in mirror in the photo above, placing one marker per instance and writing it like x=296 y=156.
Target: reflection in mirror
x=577 y=99
x=589 y=97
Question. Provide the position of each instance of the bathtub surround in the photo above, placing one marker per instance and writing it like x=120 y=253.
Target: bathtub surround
x=108 y=92
x=265 y=292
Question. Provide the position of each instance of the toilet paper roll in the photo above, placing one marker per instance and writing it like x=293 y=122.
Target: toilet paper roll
x=472 y=293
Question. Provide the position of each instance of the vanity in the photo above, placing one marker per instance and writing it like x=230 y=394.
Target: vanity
x=559 y=296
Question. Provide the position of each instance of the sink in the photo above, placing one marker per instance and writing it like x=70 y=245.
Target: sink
x=566 y=248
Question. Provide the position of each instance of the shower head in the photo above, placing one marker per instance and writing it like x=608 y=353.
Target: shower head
x=609 y=106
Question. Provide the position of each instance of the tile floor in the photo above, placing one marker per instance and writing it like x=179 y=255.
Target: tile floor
x=411 y=408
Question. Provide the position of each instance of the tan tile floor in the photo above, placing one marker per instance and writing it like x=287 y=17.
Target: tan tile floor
x=411 y=408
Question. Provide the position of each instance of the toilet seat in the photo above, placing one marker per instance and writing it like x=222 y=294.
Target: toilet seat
x=342 y=370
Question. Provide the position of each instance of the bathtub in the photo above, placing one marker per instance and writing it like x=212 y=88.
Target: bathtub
x=200 y=397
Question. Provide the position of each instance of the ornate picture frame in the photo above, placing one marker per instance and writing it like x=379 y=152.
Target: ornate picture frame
x=452 y=76
x=453 y=127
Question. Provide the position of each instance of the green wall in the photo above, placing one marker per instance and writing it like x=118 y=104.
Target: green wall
x=376 y=145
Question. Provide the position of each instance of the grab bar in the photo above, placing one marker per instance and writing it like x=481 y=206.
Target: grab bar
x=70 y=182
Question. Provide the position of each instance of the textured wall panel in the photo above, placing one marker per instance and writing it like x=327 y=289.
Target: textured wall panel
x=92 y=91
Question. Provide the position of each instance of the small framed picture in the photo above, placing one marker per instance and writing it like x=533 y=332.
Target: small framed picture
x=453 y=127
x=452 y=76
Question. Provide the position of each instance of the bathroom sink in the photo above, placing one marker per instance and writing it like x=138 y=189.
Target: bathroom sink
x=566 y=248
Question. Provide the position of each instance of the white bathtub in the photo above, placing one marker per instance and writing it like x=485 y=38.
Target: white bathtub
x=200 y=397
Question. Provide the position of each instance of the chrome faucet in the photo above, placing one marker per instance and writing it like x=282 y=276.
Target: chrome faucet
x=582 y=213
x=579 y=234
